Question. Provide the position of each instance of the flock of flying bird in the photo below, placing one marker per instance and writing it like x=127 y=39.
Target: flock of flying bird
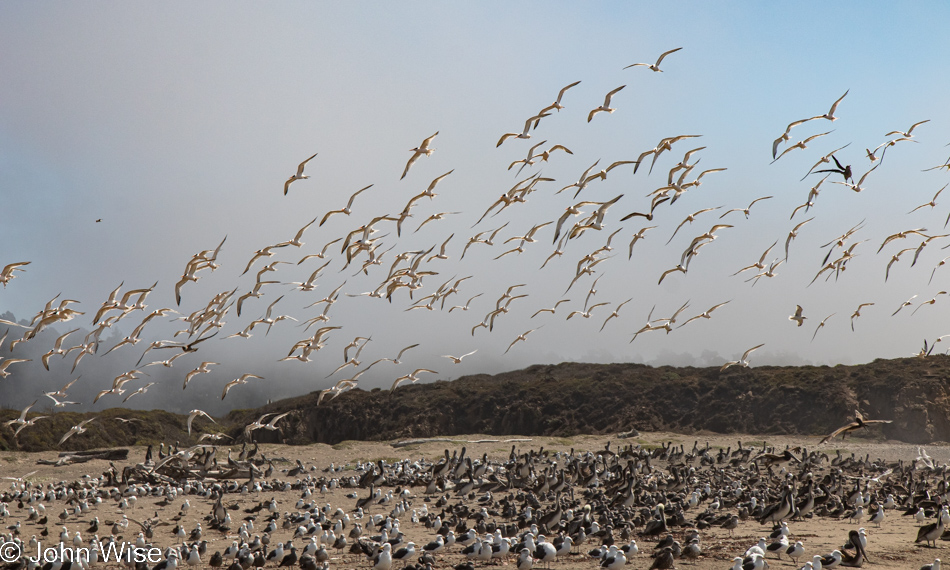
x=366 y=249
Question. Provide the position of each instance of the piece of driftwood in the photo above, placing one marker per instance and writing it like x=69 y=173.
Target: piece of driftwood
x=111 y=454
x=71 y=457
x=408 y=442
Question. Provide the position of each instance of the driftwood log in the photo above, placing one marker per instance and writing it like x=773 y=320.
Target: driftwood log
x=408 y=442
x=70 y=457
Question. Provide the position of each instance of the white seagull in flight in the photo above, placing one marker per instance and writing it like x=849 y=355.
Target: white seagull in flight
x=299 y=175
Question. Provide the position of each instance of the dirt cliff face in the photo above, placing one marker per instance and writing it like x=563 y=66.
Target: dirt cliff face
x=575 y=398
x=571 y=398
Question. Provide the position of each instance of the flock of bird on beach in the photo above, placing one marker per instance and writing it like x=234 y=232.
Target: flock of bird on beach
x=535 y=508
x=409 y=277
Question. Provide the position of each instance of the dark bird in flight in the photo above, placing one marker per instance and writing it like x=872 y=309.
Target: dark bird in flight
x=858 y=423
x=842 y=170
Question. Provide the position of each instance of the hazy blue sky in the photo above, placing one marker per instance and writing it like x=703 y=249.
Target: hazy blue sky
x=177 y=124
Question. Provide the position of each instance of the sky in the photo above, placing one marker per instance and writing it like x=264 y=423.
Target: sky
x=135 y=135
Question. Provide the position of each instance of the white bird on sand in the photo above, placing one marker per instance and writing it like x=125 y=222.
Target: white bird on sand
x=299 y=175
x=383 y=559
x=795 y=551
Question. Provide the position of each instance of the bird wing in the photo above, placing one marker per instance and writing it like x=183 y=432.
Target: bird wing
x=561 y=94
x=302 y=165
x=835 y=104
x=746 y=354
x=611 y=94
x=664 y=54
x=839 y=431
x=413 y=158
x=427 y=141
